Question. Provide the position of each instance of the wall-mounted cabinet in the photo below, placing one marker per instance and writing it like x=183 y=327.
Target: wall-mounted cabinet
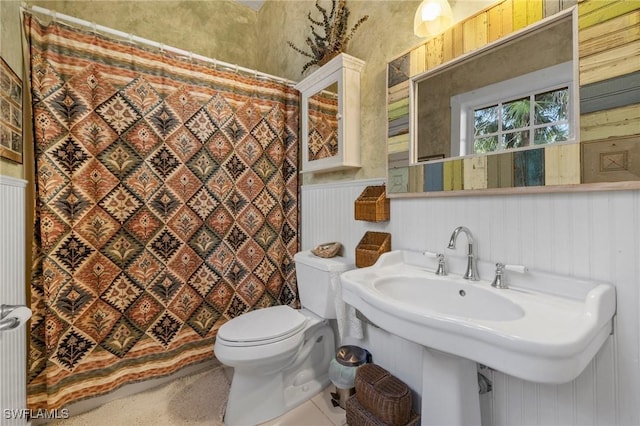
x=331 y=116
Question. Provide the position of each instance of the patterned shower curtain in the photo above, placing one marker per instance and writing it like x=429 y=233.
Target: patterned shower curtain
x=166 y=204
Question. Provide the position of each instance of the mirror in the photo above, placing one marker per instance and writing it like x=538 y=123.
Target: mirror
x=481 y=102
x=322 y=130
x=601 y=152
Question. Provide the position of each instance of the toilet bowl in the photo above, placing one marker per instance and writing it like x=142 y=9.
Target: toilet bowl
x=281 y=355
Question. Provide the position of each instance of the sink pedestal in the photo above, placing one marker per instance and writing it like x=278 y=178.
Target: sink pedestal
x=449 y=390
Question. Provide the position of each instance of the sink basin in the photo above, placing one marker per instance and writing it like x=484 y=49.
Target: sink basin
x=439 y=295
x=544 y=328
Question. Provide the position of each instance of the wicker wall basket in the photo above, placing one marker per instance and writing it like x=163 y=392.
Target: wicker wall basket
x=373 y=205
x=371 y=246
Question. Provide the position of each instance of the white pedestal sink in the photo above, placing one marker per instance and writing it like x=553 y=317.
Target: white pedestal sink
x=544 y=328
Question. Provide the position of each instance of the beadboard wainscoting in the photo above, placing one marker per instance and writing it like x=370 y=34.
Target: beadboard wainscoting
x=594 y=235
x=331 y=206
x=13 y=356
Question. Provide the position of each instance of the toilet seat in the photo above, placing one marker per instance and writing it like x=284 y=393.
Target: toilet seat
x=262 y=326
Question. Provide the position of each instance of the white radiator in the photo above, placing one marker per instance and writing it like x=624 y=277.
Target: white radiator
x=13 y=398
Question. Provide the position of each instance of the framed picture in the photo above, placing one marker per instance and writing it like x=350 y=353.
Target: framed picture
x=10 y=114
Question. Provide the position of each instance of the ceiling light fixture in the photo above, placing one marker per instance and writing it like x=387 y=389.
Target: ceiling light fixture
x=432 y=17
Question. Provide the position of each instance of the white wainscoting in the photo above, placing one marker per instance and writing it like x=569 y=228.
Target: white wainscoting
x=331 y=206
x=13 y=347
x=592 y=235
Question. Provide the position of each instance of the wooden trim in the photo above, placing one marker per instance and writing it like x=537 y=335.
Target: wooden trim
x=615 y=62
x=595 y=12
x=615 y=32
x=526 y=190
x=610 y=94
x=609 y=123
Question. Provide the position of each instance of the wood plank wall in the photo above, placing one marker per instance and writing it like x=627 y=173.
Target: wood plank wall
x=609 y=48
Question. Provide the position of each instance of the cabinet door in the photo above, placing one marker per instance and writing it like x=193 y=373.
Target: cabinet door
x=331 y=116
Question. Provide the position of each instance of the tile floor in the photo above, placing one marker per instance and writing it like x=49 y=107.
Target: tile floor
x=166 y=405
x=317 y=412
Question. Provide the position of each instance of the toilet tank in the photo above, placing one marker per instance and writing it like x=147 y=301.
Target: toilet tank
x=319 y=280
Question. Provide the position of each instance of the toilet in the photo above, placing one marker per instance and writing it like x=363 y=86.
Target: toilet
x=280 y=355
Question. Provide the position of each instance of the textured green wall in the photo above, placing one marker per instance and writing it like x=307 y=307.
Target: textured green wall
x=230 y=32
x=221 y=29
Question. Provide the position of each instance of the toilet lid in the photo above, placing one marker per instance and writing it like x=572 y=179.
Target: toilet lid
x=263 y=326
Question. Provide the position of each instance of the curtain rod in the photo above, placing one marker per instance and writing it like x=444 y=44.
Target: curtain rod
x=139 y=40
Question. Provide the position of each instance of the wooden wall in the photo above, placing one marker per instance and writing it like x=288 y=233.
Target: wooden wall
x=609 y=55
x=609 y=50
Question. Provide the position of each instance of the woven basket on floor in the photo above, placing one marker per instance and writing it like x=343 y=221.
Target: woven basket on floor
x=357 y=415
x=383 y=395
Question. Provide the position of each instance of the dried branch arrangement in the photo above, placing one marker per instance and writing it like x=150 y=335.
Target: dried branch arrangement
x=336 y=33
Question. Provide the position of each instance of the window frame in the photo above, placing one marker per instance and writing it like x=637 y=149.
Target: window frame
x=547 y=79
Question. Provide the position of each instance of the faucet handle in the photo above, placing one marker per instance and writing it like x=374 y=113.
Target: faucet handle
x=431 y=253
x=442 y=270
x=499 y=281
x=515 y=268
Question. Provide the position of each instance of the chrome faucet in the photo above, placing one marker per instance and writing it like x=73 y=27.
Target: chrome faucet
x=471 y=273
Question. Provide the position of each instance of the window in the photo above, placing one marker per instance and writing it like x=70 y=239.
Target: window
x=537 y=119
x=533 y=109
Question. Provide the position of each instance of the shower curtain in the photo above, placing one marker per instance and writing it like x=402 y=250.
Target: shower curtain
x=166 y=204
